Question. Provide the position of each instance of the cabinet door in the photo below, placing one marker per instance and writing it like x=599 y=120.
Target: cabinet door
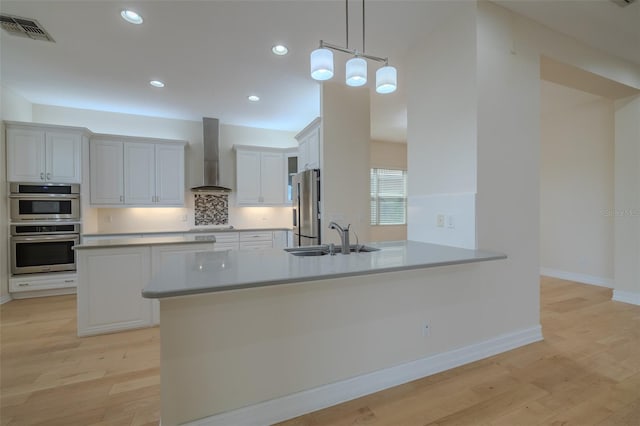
x=170 y=175
x=25 y=155
x=107 y=172
x=110 y=282
x=303 y=155
x=272 y=176
x=63 y=157
x=313 y=154
x=248 y=177
x=139 y=174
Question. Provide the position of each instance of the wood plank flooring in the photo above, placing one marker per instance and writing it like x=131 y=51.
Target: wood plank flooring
x=586 y=372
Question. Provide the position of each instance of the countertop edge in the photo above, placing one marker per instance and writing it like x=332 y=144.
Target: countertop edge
x=161 y=241
x=187 y=231
x=150 y=294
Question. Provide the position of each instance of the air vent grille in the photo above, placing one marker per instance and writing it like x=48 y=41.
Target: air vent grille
x=623 y=3
x=24 y=27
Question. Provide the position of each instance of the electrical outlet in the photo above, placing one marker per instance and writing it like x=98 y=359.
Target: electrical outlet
x=451 y=222
x=426 y=329
x=440 y=221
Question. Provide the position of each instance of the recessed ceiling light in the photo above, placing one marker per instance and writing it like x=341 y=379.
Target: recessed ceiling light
x=280 y=50
x=131 y=16
x=253 y=98
x=156 y=83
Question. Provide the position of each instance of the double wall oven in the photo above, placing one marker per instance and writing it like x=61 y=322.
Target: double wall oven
x=45 y=225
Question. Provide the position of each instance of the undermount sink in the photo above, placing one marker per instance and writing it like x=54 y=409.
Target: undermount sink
x=324 y=250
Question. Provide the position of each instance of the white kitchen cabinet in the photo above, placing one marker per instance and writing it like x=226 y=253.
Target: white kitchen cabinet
x=24 y=284
x=256 y=240
x=309 y=146
x=43 y=154
x=110 y=284
x=139 y=174
x=226 y=241
x=260 y=176
x=106 y=167
x=136 y=173
x=109 y=289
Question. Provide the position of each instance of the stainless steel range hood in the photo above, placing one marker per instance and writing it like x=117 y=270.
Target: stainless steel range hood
x=210 y=127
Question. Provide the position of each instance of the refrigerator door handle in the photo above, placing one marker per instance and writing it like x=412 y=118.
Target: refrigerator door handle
x=295 y=217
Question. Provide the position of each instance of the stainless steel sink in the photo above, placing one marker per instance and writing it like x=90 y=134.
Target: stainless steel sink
x=324 y=250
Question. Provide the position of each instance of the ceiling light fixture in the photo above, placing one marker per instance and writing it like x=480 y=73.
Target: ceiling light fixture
x=253 y=98
x=356 y=69
x=131 y=16
x=156 y=83
x=279 y=50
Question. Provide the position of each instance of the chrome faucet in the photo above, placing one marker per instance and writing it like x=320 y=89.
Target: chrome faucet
x=344 y=236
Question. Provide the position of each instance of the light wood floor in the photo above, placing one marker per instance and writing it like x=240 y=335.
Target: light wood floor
x=587 y=371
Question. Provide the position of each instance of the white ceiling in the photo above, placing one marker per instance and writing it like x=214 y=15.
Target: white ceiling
x=213 y=54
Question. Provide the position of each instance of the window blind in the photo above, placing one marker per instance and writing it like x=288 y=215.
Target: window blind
x=388 y=197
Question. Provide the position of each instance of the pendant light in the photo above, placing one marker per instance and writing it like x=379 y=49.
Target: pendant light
x=356 y=72
x=321 y=64
x=356 y=67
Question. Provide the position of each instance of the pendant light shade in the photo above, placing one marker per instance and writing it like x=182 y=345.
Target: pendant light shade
x=356 y=72
x=386 y=80
x=321 y=64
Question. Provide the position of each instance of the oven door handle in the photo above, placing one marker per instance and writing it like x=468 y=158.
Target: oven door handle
x=68 y=237
x=44 y=196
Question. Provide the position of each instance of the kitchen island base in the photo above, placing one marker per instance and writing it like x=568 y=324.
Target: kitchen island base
x=269 y=353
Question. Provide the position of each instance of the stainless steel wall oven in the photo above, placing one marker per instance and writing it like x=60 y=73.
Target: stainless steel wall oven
x=44 y=201
x=44 y=247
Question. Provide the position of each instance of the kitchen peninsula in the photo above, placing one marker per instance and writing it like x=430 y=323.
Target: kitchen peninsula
x=253 y=337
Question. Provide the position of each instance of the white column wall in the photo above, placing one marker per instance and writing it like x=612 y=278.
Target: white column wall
x=627 y=201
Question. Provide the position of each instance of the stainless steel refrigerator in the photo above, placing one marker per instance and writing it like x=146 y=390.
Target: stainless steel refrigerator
x=306 y=208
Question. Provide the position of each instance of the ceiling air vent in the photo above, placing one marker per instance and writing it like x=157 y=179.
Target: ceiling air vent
x=623 y=3
x=24 y=27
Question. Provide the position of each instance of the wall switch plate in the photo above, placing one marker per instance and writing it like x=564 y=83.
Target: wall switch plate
x=440 y=221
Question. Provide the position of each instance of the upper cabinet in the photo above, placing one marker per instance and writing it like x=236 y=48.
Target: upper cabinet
x=136 y=173
x=260 y=176
x=309 y=146
x=43 y=154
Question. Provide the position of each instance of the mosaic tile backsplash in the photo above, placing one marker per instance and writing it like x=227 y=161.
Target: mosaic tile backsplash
x=211 y=209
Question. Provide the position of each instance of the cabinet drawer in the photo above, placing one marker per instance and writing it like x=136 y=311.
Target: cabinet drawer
x=218 y=246
x=226 y=237
x=41 y=283
x=255 y=245
x=256 y=236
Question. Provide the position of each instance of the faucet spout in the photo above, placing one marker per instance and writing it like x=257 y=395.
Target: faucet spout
x=344 y=236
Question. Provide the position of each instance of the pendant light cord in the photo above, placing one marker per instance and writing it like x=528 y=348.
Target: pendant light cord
x=346 y=14
x=363 y=49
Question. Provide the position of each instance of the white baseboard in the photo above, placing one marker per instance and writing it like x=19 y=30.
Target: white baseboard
x=573 y=276
x=300 y=403
x=631 y=297
x=4 y=299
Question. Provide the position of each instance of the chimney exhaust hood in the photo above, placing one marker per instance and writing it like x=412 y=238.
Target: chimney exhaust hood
x=210 y=127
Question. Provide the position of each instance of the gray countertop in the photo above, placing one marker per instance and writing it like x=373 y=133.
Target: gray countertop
x=185 y=231
x=150 y=241
x=207 y=272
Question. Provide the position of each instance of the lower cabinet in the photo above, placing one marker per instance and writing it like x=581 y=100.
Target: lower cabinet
x=110 y=283
x=34 y=285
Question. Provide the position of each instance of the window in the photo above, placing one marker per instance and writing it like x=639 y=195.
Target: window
x=388 y=197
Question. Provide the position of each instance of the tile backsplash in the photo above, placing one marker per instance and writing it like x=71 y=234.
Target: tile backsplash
x=211 y=209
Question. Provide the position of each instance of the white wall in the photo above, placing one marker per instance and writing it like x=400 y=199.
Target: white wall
x=388 y=155
x=345 y=145
x=627 y=201
x=13 y=107
x=442 y=131
x=576 y=184
x=152 y=219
